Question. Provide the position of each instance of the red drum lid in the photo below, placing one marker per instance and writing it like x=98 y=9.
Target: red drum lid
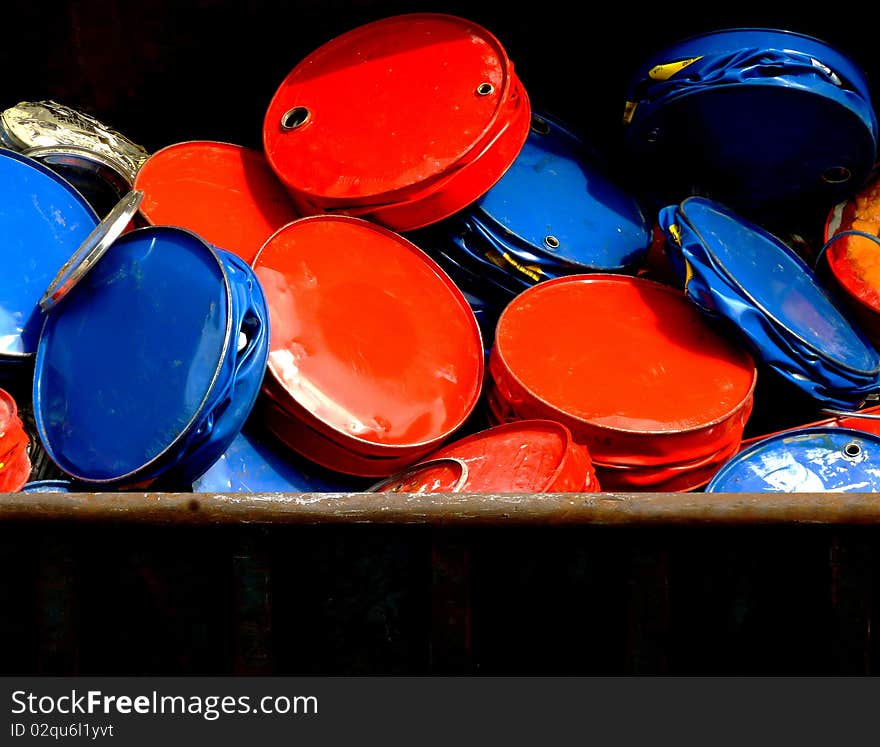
x=623 y=353
x=225 y=193
x=528 y=456
x=386 y=107
x=368 y=334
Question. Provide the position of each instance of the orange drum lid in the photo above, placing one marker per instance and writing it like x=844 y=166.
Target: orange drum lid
x=387 y=106
x=368 y=334
x=623 y=353
x=225 y=193
x=855 y=260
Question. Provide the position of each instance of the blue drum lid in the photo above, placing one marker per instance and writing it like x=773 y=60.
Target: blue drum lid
x=720 y=41
x=558 y=200
x=128 y=361
x=807 y=460
x=43 y=220
x=755 y=118
x=777 y=283
x=257 y=463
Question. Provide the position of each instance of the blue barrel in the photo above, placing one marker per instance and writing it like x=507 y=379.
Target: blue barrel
x=805 y=460
x=48 y=486
x=255 y=462
x=734 y=270
x=150 y=364
x=556 y=211
x=43 y=221
x=761 y=119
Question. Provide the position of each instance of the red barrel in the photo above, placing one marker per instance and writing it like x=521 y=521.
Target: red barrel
x=15 y=464
x=640 y=377
x=405 y=121
x=527 y=456
x=375 y=355
x=225 y=193
x=854 y=261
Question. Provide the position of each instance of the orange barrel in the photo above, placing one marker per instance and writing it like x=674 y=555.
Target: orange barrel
x=225 y=193
x=526 y=456
x=376 y=357
x=15 y=463
x=405 y=120
x=853 y=259
x=656 y=394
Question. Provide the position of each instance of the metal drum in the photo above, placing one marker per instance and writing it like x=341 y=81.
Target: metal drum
x=528 y=456
x=763 y=120
x=49 y=124
x=556 y=211
x=657 y=395
x=15 y=464
x=404 y=121
x=43 y=221
x=806 y=460
x=256 y=462
x=150 y=362
x=735 y=270
x=376 y=357
x=225 y=193
x=853 y=255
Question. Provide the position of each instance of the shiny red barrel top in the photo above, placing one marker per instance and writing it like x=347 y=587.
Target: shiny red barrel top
x=15 y=464
x=406 y=120
x=372 y=345
x=641 y=378
x=225 y=193
x=528 y=456
x=853 y=260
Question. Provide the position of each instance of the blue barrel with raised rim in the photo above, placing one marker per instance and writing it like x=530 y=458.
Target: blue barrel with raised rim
x=804 y=460
x=150 y=364
x=734 y=270
x=558 y=210
x=764 y=120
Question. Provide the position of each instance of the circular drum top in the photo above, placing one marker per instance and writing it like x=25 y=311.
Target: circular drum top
x=558 y=197
x=779 y=283
x=388 y=105
x=807 y=460
x=367 y=332
x=622 y=352
x=128 y=359
x=43 y=221
x=519 y=457
x=227 y=194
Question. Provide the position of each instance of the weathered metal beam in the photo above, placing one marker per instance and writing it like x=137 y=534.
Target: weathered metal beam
x=447 y=509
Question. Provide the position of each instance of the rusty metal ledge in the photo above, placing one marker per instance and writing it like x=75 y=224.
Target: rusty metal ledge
x=546 y=509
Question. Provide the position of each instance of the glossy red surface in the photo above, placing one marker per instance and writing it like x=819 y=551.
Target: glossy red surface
x=623 y=353
x=854 y=261
x=226 y=193
x=404 y=120
x=15 y=465
x=370 y=339
x=528 y=456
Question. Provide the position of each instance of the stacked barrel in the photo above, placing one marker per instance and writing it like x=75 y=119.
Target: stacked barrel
x=418 y=282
